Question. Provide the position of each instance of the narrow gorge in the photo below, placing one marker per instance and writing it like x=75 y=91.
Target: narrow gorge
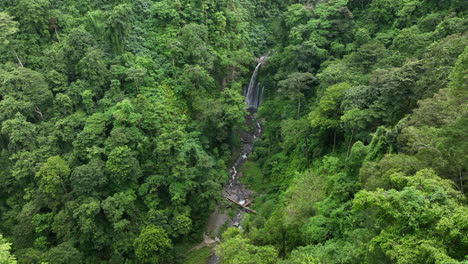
x=236 y=193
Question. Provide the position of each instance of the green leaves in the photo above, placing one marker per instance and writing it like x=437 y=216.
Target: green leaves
x=117 y=206
x=152 y=245
x=8 y=27
x=194 y=41
x=5 y=256
x=411 y=216
x=116 y=131
x=86 y=216
x=238 y=250
x=295 y=85
x=124 y=169
x=33 y=15
x=181 y=225
x=63 y=254
x=21 y=133
x=93 y=68
x=53 y=176
x=109 y=92
x=125 y=114
x=165 y=13
x=297 y=14
x=87 y=179
x=24 y=91
x=328 y=112
x=117 y=27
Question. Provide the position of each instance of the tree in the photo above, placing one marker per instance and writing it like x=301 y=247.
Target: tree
x=89 y=141
x=181 y=225
x=353 y=120
x=85 y=216
x=301 y=256
x=118 y=206
x=220 y=117
x=123 y=168
x=435 y=134
x=420 y=221
x=298 y=208
x=414 y=38
x=152 y=245
x=87 y=179
x=93 y=68
x=194 y=42
x=238 y=250
x=21 y=133
x=8 y=27
x=295 y=85
x=296 y=14
x=382 y=11
x=26 y=92
x=165 y=12
x=74 y=48
x=116 y=132
x=327 y=114
x=64 y=253
x=33 y=16
x=367 y=56
x=87 y=100
x=117 y=27
x=437 y=63
x=53 y=176
x=395 y=91
x=5 y=256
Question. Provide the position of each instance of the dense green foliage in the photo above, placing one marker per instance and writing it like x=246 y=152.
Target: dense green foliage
x=364 y=154
x=118 y=120
x=5 y=256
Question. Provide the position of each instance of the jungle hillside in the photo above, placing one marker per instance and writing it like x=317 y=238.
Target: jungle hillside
x=343 y=124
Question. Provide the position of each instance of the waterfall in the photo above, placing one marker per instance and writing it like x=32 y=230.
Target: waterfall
x=234 y=190
x=252 y=96
x=251 y=99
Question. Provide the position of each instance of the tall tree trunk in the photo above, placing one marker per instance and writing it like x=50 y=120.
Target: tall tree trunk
x=298 y=107
x=334 y=140
x=307 y=151
x=63 y=186
x=461 y=180
x=350 y=143
x=17 y=57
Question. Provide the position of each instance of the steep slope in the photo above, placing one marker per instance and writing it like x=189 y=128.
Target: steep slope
x=363 y=154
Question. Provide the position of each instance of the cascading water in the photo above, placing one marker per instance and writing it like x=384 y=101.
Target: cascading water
x=252 y=95
x=251 y=98
x=234 y=190
x=262 y=94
